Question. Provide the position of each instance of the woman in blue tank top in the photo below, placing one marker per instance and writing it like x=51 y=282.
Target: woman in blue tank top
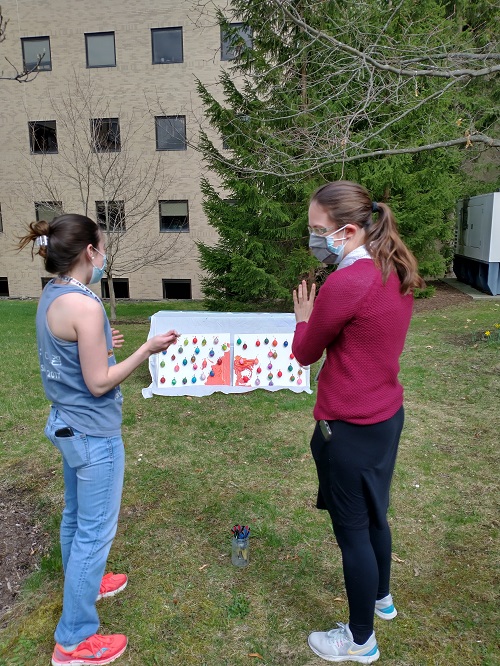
x=82 y=379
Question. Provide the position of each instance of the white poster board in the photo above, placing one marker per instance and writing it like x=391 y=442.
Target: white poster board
x=227 y=352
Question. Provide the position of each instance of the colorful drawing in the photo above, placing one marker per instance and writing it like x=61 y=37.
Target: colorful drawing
x=266 y=359
x=244 y=369
x=256 y=360
x=220 y=371
x=198 y=359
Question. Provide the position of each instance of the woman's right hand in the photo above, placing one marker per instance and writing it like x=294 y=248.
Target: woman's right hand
x=162 y=342
x=303 y=302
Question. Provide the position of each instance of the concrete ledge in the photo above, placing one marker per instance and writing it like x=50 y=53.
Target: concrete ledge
x=470 y=291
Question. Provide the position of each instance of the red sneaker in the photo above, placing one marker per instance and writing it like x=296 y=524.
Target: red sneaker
x=94 y=650
x=111 y=584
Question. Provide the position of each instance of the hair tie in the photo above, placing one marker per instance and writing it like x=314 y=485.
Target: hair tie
x=375 y=208
x=42 y=241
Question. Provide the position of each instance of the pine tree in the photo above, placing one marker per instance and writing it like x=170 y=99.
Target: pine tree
x=289 y=105
x=261 y=219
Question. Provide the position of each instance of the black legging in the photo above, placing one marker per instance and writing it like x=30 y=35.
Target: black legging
x=355 y=470
x=366 y=561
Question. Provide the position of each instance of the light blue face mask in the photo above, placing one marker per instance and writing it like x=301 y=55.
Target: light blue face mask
x=325 y=249
x=97 y=273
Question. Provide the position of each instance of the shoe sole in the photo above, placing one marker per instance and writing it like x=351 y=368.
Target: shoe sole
x=76 y=662
x=368 y=659
x=386 y=616
x=106 y=595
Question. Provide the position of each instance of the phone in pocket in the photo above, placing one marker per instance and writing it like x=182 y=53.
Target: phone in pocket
x=64 y=432
x=326 y=431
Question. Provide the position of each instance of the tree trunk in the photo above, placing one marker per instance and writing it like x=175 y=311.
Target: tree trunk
x=112 y=300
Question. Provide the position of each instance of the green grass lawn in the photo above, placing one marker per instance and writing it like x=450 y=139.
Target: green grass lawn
x=197 y=466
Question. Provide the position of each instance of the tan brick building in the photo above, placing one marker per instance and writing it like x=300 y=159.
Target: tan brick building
x=122 y=74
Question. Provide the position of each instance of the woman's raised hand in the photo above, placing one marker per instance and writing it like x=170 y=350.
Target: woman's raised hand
x=303 y=302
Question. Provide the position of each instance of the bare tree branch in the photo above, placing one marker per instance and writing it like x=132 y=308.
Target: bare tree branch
x=349 y=81
x=400 y=70
x=21 y=76
x=3 y=25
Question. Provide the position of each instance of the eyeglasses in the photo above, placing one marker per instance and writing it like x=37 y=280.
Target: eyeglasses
x=319 y=231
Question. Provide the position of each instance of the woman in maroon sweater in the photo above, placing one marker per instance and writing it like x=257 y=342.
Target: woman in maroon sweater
x=361 y=317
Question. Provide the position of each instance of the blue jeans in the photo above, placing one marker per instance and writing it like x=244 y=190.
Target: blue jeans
x=93 y=480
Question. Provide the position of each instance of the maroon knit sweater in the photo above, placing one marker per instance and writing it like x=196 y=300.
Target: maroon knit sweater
x=362 y=324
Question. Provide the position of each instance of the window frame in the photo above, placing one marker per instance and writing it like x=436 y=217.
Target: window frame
x=48 y=205
x=93 y=134
x=116 y=281
x=39 y=68
x=4 y=281
x=176 y=117
x=122 y=227
x=172 y=230
x=172 y=29
x=225 y=48
x=99 y=34
x=32 y=138
x=184 y=281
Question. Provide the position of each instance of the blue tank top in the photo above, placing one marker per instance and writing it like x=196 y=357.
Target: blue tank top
x=62 y=376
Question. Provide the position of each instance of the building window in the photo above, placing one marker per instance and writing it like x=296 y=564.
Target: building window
x=43 y=136
x=166 y=45
x=177 y=289
x=36 y=53
x=170 y=132
x=174 y=216
x=47 y=210
x=105 y=135
x=115 y=218
x=100 y=49
x=45 y=281
x=233 y=40
x=4 y=286
x=120 y=286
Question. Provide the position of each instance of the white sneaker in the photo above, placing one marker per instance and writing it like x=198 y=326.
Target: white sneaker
x=338 y=645
x=384 y=608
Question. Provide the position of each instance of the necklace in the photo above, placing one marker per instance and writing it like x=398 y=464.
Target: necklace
x=68 y=278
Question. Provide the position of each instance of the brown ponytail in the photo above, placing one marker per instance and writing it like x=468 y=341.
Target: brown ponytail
x=349 y=203
x=65 y=238
x=36 y=230
x=389 y=252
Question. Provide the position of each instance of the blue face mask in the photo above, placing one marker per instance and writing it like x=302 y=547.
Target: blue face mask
x=97 y=273
x=325 y=249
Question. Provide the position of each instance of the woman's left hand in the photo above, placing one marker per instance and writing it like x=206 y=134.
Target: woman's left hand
x=303 y=302
x=117 y=338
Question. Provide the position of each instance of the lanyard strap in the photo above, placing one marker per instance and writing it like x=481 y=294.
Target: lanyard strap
x=77 y=283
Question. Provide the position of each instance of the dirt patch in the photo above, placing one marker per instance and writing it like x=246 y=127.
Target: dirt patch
x=22 y=543
x=22 y=540
x=444 y=297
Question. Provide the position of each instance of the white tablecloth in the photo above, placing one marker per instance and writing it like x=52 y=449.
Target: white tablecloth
x=214 y=323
